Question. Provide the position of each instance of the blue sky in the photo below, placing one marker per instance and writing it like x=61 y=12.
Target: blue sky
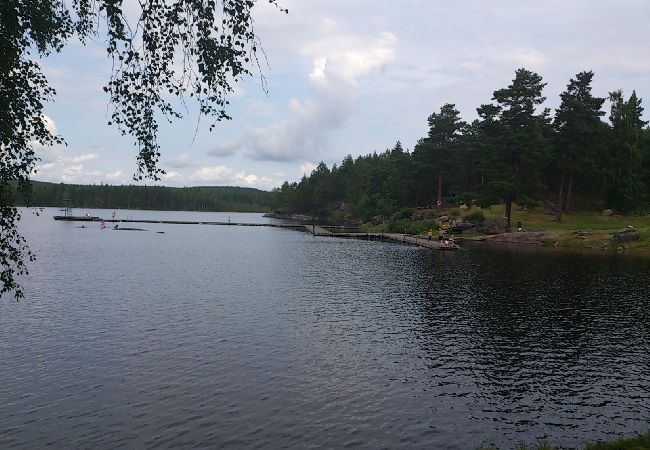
x=350 y=77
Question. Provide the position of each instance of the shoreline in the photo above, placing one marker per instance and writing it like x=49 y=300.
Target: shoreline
x=601 y=241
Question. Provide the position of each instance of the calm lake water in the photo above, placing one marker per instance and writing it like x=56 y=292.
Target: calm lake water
x=213 y=336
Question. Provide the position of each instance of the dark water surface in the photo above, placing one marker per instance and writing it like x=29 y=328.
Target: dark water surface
x=210 y=336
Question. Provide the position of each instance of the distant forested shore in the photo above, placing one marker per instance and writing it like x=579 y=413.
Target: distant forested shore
x=516 y=152
x=104 y=196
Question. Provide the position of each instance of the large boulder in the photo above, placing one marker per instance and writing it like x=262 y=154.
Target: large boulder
x=377 y=220
x=460 y=227
x=625 y=235
x=608 y=212
x=495 y=226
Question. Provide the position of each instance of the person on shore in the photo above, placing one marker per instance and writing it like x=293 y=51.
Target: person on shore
x=429 y=235
x=102 y=225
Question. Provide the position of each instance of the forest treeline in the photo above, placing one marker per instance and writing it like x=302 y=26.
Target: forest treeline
x=517 y=151
x=216 y=198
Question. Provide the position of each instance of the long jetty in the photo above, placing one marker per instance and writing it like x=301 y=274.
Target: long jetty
x=346 y=232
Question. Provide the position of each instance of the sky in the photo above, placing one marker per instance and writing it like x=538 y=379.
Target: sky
x=349 y=77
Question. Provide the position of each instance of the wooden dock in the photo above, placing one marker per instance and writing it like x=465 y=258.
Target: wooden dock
x=313 y=229
x=420 y=241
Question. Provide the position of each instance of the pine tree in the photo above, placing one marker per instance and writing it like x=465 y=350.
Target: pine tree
x=625 y=152
x=520 y=149
x=578 y=126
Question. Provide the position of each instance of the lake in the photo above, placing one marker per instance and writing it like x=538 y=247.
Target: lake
x=217 y=336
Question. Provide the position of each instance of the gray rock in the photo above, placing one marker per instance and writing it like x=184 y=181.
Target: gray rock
x=524 y=237
x=460 y=227
x=377 y=220
x=608 y=212
x=626 y=235
x=495 y=226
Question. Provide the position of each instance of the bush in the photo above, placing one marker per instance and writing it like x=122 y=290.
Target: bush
x=404 y=213
x=400 y=226
x=476 y=217
x=466 y=197
x=455 y=212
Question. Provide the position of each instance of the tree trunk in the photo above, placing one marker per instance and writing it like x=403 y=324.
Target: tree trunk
x=508 y=212
x=560 y=200
x=439 y=202
x=569 y=196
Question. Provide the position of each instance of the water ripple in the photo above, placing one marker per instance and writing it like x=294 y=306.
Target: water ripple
x=251 y=337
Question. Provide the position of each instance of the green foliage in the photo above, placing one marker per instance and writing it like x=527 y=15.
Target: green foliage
x=466 y=198
x=409 y=227
x=454 y=212
x=402 y=214
x=436 y=154
x=517 y=139
x=475 y=217
x=218 y=198
x=627 y=147
x=26 y=28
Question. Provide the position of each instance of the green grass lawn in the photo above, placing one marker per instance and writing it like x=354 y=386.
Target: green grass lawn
x=537 y=220
x=559 y=234
x=564 y=233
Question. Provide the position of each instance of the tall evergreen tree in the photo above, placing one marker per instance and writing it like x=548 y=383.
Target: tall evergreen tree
x=522 y=145
x=578 y=126
x=626 y=150
x=436 y=151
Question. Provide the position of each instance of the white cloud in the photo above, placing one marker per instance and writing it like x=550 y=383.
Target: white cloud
x=528 y=58
x=346 y=58
x=221 y=175
x=84 y=158
x=307 y=168
x=338 y=63
x=172 y=176
x=49 y=124
x=226 y=176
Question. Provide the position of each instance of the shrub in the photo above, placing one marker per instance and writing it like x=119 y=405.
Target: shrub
x=400 y=226
x=404 y=213
x=476 y=217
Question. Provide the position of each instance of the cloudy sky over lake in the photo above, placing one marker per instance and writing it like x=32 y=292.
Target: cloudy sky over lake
x=350 y=77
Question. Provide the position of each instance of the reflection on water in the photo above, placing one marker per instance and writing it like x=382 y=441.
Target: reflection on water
x=241 y=337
